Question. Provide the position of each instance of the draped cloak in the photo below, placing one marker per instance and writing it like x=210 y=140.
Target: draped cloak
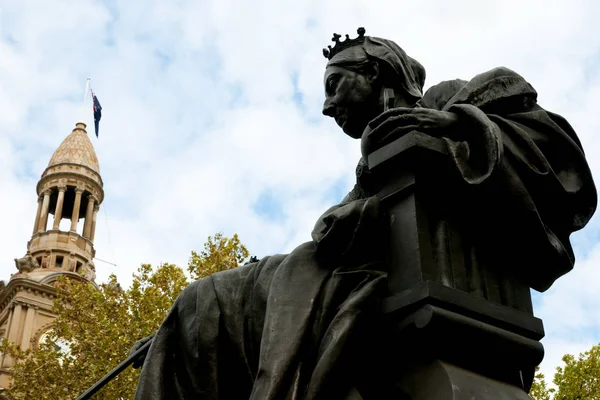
x=303 y=325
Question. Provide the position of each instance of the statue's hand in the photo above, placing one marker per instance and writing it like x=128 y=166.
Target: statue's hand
x=396 y=122
x=139 y=361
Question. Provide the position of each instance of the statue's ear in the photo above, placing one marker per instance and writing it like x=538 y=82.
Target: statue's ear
x=371 y=72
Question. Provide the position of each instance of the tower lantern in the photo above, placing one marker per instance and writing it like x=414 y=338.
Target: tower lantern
x=70 y=189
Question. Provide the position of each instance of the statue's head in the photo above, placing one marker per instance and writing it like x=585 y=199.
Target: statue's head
x=358 y=71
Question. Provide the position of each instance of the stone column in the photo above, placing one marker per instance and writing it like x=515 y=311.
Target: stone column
x=28 y=328
x=44 y=211
x=59 y=206
x=15 y=324
x=36 y=224
x=5 y=358
x=89 y=213
x=76 y=205
x=94 y=218
x=13 y=331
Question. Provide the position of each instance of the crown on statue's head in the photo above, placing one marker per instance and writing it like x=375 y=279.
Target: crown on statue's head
x=329 y=52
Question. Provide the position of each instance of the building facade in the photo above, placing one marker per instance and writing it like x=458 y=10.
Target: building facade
x=70 y=190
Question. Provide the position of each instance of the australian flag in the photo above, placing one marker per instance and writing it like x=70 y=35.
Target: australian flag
x=97 y=112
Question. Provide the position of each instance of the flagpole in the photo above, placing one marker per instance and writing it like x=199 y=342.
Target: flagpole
x=85 y=95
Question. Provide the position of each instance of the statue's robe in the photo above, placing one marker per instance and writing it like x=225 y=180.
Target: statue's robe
x=305 y=326
x=279 y=328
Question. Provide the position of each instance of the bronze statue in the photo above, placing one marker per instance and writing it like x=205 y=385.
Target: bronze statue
x=309 y=325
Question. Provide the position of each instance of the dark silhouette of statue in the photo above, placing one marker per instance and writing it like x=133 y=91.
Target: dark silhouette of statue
x=493 y=172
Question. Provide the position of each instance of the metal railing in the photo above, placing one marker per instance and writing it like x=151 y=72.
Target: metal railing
x=116 y=371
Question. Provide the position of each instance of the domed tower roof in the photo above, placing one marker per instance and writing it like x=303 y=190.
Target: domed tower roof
x=76 y=149
x=70 y=188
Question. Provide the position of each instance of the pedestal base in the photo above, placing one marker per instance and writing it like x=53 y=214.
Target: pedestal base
x=441 y=381
x=431 y=322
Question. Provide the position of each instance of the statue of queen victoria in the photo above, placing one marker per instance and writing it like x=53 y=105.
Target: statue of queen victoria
x=465 y=199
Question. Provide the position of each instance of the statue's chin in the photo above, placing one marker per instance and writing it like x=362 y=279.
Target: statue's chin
x=353 y=133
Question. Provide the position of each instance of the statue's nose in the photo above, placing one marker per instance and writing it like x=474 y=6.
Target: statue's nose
x=329 y=108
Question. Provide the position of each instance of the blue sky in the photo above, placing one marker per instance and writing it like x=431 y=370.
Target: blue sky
x=212 y=116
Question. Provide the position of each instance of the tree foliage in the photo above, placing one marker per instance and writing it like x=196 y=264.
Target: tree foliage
x=579 y=378
x=102 y=323
x=219 y=254
x=539 y=389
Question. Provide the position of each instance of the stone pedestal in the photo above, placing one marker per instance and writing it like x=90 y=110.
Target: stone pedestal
x=461 y=317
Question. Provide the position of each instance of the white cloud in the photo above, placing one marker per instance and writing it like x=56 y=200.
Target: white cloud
x=199 y=118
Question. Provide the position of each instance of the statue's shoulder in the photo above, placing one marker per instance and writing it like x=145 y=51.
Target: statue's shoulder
x=483 y=90
x=494 y=73
x=437 y=96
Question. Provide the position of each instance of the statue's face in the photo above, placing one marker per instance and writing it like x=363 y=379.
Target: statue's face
x=350 y=99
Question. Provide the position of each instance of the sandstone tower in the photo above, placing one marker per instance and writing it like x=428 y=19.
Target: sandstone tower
x=70 y=190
